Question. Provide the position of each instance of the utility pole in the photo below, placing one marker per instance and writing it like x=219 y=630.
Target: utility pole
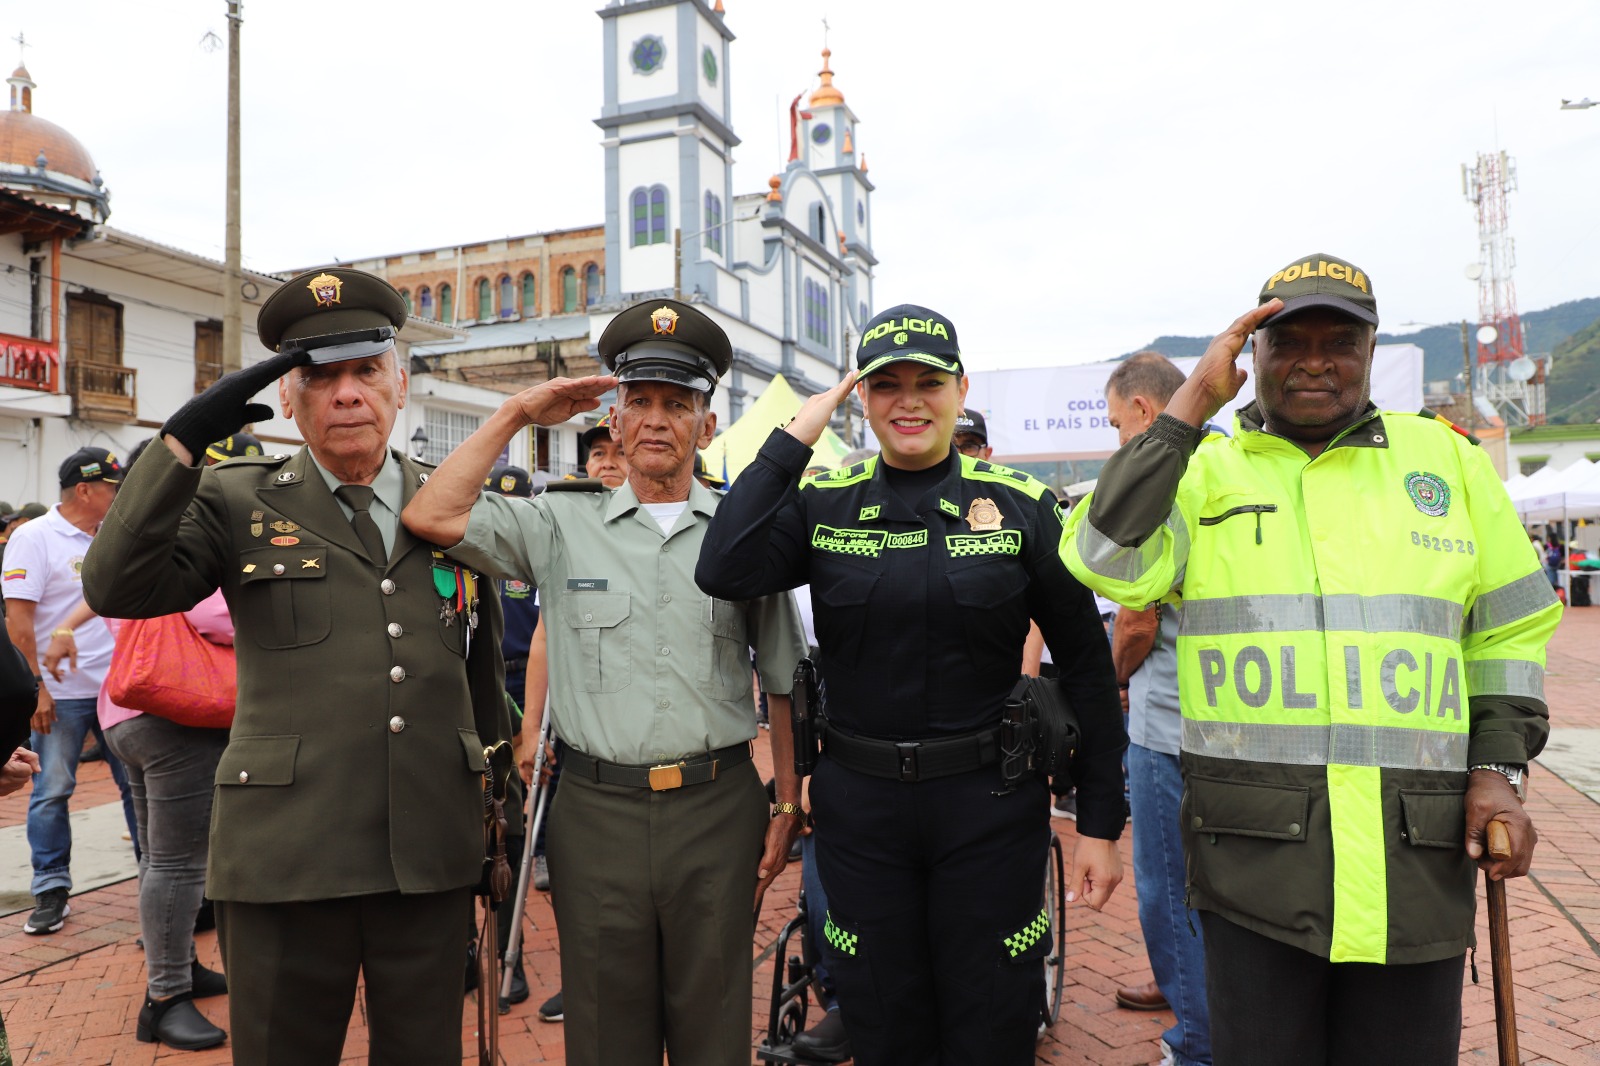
x=233 y=275
x=1466 y=368
x=677 y=263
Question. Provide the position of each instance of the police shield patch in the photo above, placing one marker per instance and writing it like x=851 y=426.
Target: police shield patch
x=1429 y=492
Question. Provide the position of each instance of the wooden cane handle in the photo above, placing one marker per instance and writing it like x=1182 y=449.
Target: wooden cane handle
x=1499 y=840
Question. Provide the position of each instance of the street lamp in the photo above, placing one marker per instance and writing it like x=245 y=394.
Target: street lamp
x=419 y=442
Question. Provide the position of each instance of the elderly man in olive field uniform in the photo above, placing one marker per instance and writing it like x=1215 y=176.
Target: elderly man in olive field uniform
x=348 y=824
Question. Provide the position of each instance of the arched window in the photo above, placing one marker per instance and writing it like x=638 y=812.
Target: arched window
x=649 y=210
x=508 y=297
x=714 y=222
x=591 y=285
x=447 y=306
x=425 y=302
x=569 y=289
x=405 y=294
x=530 y=295
x=816 y=312
x=485 y=299
x=819 y=224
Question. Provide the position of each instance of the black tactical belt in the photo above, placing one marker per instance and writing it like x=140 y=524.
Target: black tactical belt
x=690 y=770
x=517 y=666
x=912 y=760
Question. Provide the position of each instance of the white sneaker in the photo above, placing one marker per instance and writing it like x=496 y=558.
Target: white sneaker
x=1065 y=807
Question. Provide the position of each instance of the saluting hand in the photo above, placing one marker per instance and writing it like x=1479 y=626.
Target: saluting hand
x=224 y=408
x=1217 y=378
x=552 y=402
x=807 y=426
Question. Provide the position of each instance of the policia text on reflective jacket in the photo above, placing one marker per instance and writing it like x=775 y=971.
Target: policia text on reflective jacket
x=1357 y=629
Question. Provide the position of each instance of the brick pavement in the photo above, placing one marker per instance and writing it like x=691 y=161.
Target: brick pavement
x=73 y=998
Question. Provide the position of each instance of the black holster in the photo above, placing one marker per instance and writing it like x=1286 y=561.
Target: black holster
x=805 y=710
x=1018 y=740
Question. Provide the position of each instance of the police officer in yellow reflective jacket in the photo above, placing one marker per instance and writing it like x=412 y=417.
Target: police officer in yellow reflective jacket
x=1361 y=662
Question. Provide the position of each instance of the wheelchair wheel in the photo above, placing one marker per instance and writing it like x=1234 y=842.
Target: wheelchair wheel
x=1055 y=964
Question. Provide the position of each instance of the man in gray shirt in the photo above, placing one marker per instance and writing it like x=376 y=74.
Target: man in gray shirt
x=660 y=841
x=1144 y=651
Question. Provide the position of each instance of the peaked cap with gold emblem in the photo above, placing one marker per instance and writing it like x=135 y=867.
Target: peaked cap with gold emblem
x=666 y=340
x=334 y=314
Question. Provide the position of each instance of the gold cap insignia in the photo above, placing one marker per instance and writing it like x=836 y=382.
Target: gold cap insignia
x=664 y=320
x=508 y=482
x=984 y=516
x=325 y=287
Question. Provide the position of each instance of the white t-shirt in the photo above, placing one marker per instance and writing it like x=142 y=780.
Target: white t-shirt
x=665 y=514
x=44 y=563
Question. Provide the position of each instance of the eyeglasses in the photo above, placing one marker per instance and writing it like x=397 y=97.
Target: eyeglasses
x=969 y=447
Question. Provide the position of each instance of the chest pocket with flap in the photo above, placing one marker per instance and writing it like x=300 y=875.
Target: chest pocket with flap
x=600 y=622
x=287 y=593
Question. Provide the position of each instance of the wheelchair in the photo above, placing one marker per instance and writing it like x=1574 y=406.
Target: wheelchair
x=794 y=974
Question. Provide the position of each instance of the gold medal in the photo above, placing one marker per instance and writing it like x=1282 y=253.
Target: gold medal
x=983 y=516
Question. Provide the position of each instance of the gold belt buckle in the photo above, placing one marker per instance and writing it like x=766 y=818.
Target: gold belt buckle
x=666 y=776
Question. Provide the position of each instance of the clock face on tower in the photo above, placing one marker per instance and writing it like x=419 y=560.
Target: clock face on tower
x=647 y=54
x=708 y=63
x=821 y=133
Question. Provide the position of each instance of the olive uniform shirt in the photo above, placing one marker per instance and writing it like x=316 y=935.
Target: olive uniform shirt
x=644 y=667
x=355 y=761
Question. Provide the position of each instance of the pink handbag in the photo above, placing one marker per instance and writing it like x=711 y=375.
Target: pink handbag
x=163 y=666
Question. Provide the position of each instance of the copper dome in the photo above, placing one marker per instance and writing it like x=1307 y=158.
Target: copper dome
x=24 y=135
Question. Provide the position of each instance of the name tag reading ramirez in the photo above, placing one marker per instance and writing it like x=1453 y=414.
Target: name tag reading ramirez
x=586 y=584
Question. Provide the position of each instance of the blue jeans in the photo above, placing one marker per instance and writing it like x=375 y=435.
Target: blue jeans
x=49 y=828
x=1176 y=950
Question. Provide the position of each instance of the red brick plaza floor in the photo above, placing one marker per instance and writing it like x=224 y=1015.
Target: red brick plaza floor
x=73 y=998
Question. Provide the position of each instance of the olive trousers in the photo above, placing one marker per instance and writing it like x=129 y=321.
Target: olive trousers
x=654 y=896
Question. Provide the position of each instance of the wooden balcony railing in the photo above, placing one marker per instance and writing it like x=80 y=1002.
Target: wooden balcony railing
x=103 y=390
x=26 y=363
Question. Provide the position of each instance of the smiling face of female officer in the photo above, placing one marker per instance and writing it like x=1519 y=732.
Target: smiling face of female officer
x=912 y=409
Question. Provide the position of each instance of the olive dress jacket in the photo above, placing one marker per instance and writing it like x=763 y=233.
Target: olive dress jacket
x=356 y=755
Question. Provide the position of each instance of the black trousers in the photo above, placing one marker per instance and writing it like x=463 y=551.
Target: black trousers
x=1272 y=1004
x=934 y=932
x=292 y=977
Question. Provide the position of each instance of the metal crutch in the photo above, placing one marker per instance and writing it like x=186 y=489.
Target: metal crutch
x=538 y=800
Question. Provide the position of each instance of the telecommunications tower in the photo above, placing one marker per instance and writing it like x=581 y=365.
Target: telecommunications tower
x=1508 y=384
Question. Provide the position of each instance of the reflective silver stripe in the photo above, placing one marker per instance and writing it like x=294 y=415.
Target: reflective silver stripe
x=1427 y=616
x=1119 y=562
x=1510 y=602
x=1308 y=745
x=1505 y=677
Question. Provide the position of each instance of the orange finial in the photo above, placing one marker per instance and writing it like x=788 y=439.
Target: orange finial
x=842 y=249
x=718 y=8
x=774 y=196
x=863 y=162
x=828 y=95
x=849 y=142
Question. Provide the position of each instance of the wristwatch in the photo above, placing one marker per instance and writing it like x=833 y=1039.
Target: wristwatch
x=790 y=808
x=1517 y=775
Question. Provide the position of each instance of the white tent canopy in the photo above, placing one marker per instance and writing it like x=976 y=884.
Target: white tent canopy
x=736 y=446
x=1557 y=495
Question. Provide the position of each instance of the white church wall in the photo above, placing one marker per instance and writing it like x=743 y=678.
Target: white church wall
x=648 y=266
x=663 y=81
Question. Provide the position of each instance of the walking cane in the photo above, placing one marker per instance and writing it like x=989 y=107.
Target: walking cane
x=538 y=800
x=1505 y=1007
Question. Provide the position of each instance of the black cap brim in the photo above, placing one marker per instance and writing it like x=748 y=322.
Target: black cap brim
x=1310 y=300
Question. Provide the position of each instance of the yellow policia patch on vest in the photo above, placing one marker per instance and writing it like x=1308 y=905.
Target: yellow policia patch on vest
x=1002 y=542
x=983 y=515
x=868 y=542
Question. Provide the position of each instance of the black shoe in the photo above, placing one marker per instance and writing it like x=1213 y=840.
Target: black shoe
x=204 y=982
x=551 y=1010
x=541 y=873
x=95 y=753
x=177 y=1023
x=472 y=967
x=519 y=985
x=49 y=913
x=205 y=919
x=826 y=1041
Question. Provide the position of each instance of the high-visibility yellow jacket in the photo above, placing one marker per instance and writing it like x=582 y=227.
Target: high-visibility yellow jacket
x=1357 y=630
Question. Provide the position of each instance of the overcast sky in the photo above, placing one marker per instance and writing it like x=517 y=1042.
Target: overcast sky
x=1065 y=180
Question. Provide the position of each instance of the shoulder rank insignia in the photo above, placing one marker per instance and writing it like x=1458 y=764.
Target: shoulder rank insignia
x=983 y=515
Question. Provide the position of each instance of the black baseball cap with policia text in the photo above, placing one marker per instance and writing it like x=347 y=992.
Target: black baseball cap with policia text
x=908 y=333
x=334 y=315
x=90 y=464
x=666 y=340
x=1320 y=280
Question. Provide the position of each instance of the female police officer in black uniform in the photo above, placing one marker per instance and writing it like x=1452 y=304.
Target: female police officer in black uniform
x=925 y=566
